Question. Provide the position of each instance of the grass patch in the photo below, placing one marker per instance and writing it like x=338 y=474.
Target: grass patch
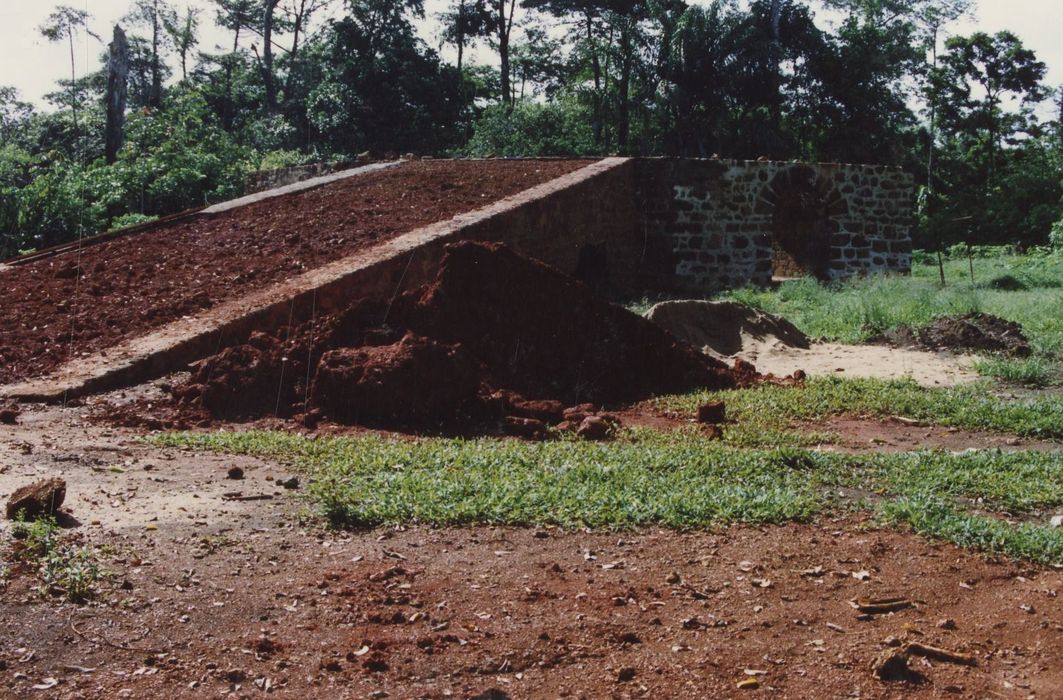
x=855 y=310
x=971 y=407
x=684 y=482
x=676 y=480
x=747 y=435
x=934 y=518
x=1032 y=371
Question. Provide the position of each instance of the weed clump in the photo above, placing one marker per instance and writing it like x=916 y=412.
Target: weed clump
x=61 y=566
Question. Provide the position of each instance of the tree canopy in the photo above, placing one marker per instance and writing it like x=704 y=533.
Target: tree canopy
x=306 y=80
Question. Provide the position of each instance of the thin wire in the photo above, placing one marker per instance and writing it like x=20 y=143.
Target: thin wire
x=310 y=352
x=284 y=360
x=79 y=155
x=398 y=287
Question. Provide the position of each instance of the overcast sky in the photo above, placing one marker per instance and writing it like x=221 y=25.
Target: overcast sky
x=32 y=65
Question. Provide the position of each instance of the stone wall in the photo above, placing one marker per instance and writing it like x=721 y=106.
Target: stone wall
x=712 y=224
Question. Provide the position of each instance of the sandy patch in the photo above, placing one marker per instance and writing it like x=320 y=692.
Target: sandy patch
x=865 y=361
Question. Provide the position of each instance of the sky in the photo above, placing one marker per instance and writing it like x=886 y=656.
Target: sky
x=32 y=64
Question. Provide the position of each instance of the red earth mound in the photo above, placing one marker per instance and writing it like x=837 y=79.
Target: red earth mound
x=55 y=309
x=493 y=330
x=545 y=334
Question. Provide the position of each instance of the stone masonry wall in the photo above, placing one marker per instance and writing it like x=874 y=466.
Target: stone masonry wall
x=711 y=224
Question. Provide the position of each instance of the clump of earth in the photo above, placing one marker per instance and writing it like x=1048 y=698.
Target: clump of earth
x=973 y=332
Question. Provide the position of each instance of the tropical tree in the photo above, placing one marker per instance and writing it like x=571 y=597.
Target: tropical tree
x=65 y=24
x=154 y=15
x=1004 y=69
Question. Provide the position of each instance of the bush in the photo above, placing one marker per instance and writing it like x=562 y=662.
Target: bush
x=532 y=129
x=1055 y=236
x=128 y=220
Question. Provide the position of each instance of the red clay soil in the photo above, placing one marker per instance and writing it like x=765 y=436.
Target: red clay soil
x=973 y=332
x=526 y=613
x=491 y=331
x=135 y=284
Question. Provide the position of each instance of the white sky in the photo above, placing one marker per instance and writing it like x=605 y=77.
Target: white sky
x=32 y=65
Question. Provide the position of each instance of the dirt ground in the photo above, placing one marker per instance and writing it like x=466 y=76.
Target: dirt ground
x=122 y=288
x=213 y=596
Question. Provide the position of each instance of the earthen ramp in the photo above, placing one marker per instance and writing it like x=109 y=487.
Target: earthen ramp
x=588 y=205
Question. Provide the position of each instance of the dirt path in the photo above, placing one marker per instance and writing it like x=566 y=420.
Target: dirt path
x=120 y=289
x=219 y=596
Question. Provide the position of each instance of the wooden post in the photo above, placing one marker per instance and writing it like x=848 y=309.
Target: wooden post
x=941 y=268
x=970 y=261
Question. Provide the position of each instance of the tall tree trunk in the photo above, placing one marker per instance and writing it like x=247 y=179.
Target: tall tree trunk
x=267 y=56
x=117 y=90
x=776 y=67
x=1059 y=118
x=73 y=87
x=505 y=27
x=994 y=138
x=623 y=127
x=461 y=34
x=933 y=127
x=186 y=43
x=155 y=99
x=227 y=117
x=596 y=70
x=297 y=28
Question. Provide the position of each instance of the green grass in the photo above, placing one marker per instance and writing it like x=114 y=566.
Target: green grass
x=371 y=481
x=1025 y=289
x=1031 y=371
x=936 y=519
x=676 y=480
x=771 y=409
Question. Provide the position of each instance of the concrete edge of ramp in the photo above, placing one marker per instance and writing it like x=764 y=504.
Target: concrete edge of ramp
x=380 y=270
x=293 y=188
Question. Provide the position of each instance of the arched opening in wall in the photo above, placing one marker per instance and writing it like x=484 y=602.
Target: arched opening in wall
x=801 y=227
x=592 y=266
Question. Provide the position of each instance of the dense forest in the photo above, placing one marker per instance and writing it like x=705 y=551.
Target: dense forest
x=159 y=125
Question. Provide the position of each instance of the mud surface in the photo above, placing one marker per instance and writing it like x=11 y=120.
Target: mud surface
x=208 y=595
x=499 y=613
x=495 y=336
x=972 y=332
x=56 y=309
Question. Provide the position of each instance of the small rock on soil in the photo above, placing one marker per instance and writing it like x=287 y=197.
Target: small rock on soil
x=9 y=415
x=36 y=499
x=713 y=412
